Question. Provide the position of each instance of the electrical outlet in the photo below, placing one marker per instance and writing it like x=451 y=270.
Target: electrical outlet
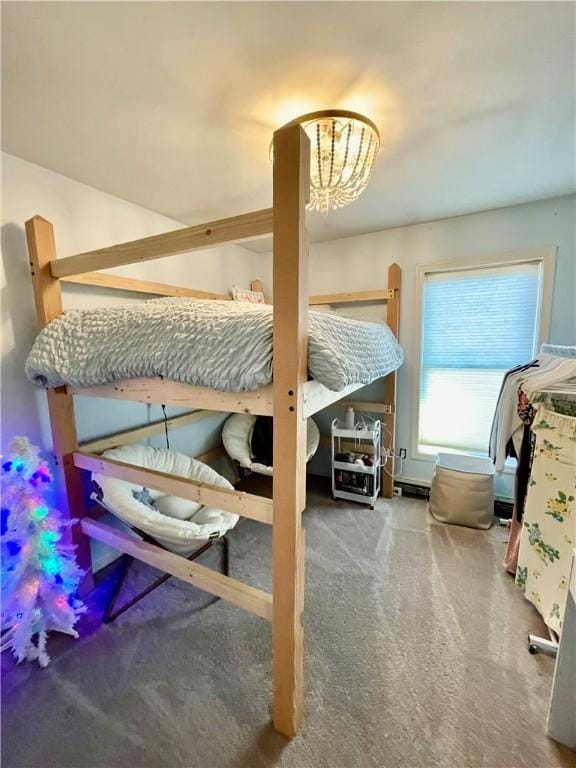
x=397 y=491
x=402 y=453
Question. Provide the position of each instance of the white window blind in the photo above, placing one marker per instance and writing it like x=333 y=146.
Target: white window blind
x=476 y=324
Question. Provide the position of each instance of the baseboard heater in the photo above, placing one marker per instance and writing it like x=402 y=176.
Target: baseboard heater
x=502 y=507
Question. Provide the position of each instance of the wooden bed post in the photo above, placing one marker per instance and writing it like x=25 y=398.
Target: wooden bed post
x=48 y=300
x=389 y=419
x=290 y=291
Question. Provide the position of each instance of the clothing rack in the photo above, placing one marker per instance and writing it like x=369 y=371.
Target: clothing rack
x=540 y=493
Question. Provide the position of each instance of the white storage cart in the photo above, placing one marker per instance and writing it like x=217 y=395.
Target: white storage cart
x=355 y=480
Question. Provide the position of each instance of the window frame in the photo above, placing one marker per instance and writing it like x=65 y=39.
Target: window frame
x=545 y=257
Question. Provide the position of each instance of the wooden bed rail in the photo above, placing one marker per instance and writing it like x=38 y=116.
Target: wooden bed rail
x=159 y=390
x=313 y=396
x=244 y=596
x=232 y=230
x=352 y=297
x=245 y=504
x=134 y=285
x=135 y=434
x=348 y=297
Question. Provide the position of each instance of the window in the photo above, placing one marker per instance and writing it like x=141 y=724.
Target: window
x=476 y=324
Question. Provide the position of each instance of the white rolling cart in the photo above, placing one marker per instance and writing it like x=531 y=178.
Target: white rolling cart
x=355 y=480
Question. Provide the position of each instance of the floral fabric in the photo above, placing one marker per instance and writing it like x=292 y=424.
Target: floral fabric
x=549 y=523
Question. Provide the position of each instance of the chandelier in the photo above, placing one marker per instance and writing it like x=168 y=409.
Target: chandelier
x=344 y=146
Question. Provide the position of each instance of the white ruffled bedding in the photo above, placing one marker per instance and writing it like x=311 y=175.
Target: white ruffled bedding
x=224 y=345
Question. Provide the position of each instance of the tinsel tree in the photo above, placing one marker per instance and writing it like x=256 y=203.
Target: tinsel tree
x=40 y=575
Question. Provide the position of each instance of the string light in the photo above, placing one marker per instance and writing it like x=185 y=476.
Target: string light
x=50 y=537
x=39 y=513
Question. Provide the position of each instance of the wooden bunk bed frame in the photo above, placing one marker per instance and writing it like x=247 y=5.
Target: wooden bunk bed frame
x=290 y=400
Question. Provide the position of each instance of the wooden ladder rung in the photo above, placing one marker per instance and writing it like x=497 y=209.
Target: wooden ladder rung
x=245 y=504
x=244 y=596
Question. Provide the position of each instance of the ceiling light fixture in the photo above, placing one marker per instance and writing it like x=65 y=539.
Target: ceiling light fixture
x=344 y=146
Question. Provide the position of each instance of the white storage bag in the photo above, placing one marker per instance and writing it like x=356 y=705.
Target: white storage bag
x=462 y=491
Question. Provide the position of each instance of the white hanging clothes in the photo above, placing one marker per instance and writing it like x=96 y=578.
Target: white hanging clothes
x=549 y=369
x=541 y=378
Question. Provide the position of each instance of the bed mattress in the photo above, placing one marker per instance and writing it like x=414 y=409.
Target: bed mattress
x=224 y=345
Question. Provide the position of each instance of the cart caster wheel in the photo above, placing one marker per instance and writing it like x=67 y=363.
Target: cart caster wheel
x=533 y=649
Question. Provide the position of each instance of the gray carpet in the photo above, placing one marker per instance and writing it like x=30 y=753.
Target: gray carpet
x=415 y=657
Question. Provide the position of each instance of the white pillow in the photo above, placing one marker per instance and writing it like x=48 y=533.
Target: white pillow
x=172 y=506
x=243 y=294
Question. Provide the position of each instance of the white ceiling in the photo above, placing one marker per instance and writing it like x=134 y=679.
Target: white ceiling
x=172 y=105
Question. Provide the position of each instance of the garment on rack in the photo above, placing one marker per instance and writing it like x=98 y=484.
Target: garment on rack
x=507 y=394
x=560 y=370
x=507 y=426
x=510 y=425
x=549 y=524
x=524 y=457
x=515 y=437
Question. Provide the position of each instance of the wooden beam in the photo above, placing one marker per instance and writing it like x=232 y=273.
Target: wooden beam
x=389 y=419
x=291 y=186
x=142 y=433
x=234 y=229
x=48 y=301
x=316 y=396
x=244 y=504
x=244 y=596
x=132 y=284
x=157 y=390
x=352 y=297
x=213 y=453
x=368 y=407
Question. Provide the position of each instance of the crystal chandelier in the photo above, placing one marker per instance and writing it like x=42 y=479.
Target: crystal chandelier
x=344 y=146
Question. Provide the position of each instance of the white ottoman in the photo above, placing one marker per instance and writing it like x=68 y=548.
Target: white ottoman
x=462 y=491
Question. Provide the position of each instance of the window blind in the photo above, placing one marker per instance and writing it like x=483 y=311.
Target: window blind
x=476 y=324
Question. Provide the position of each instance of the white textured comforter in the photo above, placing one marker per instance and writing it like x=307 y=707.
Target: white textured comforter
x=225 y=345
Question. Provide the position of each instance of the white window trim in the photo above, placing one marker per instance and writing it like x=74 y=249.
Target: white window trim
x=546 y=257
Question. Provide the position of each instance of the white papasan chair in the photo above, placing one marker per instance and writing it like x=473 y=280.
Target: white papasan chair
x=237 y=439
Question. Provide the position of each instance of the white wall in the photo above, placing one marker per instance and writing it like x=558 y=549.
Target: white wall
x=361 y=262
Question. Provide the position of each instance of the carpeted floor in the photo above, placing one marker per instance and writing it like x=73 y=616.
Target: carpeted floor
x=415 y=658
